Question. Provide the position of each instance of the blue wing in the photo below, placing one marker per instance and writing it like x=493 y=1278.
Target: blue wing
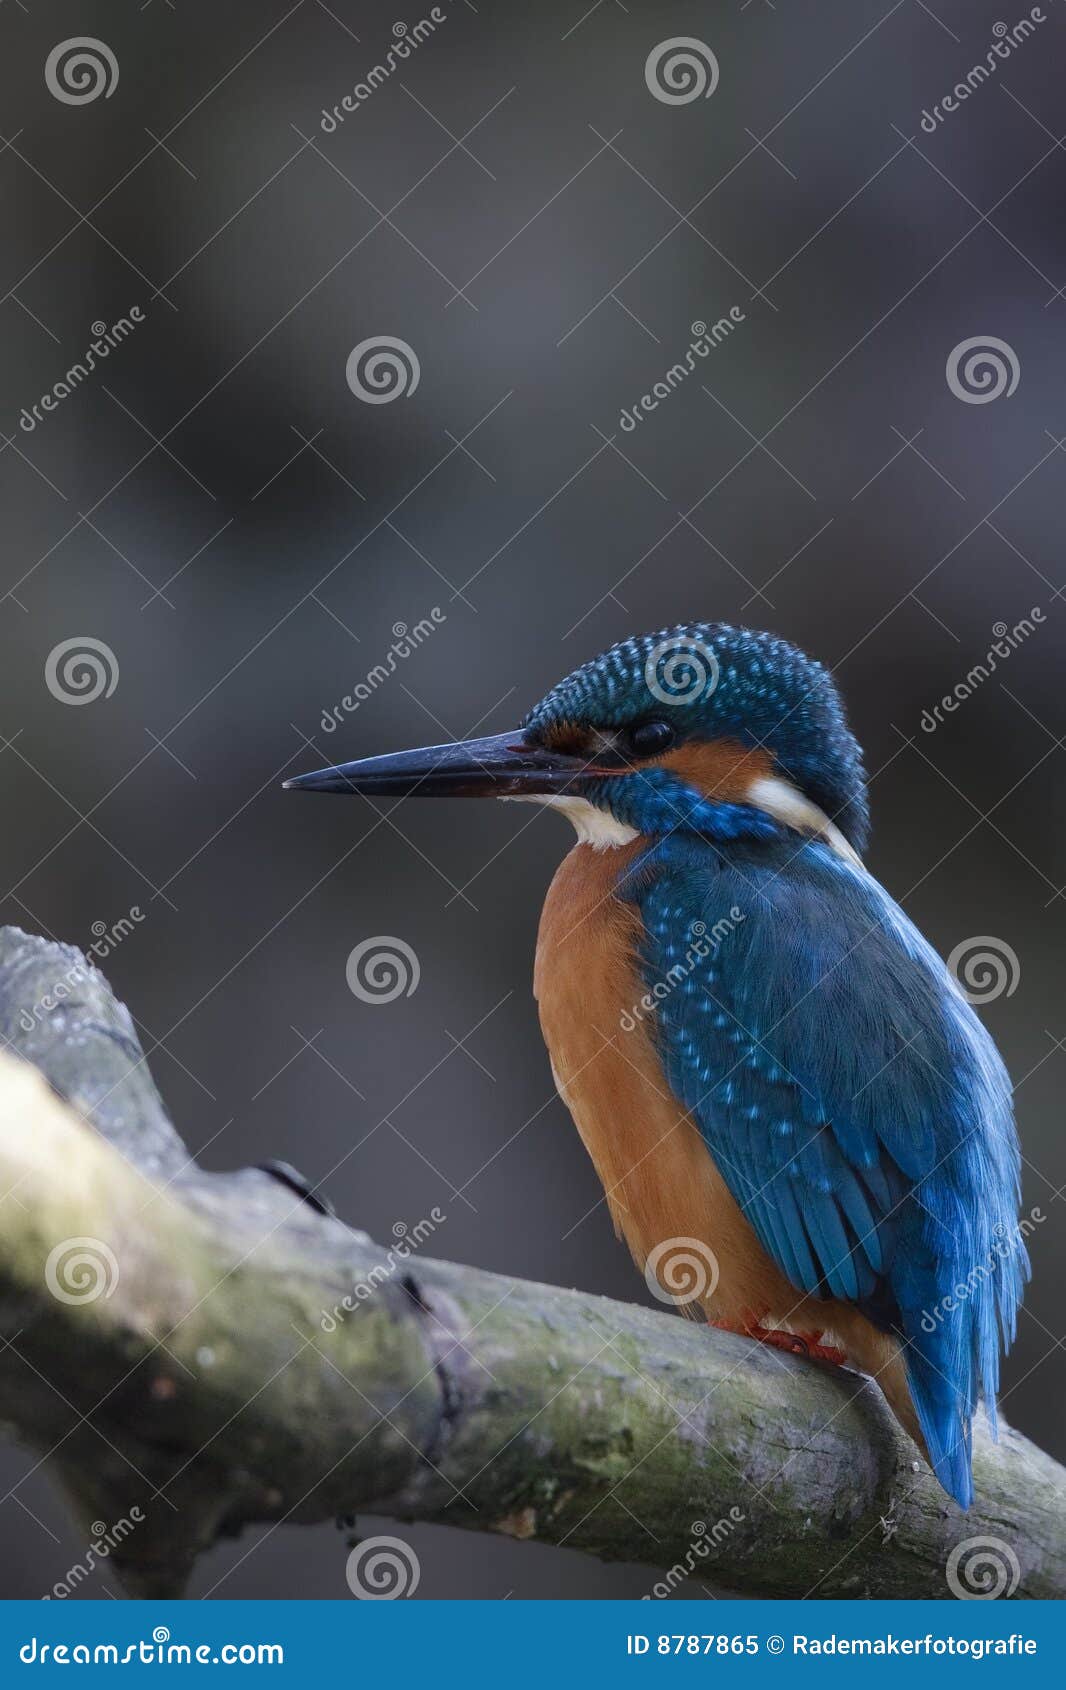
x=854 y=1104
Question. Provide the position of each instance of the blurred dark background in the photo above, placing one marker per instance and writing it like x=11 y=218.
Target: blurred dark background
x=219 y=509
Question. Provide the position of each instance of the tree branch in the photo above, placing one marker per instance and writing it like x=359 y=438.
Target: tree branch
x=201 y=1366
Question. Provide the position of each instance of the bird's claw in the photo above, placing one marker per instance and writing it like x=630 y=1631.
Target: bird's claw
x=796 y=1343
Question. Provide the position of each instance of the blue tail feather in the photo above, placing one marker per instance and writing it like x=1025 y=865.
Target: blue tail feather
x=948 y=1434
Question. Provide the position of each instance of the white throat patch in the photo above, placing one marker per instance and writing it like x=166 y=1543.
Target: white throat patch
x=777 y=797
x=594 y=827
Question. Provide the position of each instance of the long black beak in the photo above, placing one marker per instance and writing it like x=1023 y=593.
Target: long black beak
x=502 y=766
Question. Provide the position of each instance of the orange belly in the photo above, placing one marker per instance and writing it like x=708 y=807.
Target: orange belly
x=657 y=1174
x=658 y=1177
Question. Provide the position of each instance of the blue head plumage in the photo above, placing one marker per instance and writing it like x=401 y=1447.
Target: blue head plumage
x=705 y=681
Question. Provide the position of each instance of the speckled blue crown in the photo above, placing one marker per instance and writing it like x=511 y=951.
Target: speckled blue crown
x=711 y=681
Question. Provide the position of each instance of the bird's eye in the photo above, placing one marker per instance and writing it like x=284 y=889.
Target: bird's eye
x=649 y=738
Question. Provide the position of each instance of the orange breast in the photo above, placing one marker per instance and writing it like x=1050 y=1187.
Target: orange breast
x=658 y=1176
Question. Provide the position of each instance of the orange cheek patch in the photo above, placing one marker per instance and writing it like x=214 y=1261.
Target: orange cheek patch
x=719 y=768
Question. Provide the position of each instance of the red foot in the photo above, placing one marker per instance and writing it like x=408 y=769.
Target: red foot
x=812 y=1342
x=800 y=1344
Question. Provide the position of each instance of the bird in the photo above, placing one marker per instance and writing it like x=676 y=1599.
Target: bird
x=803 y=1131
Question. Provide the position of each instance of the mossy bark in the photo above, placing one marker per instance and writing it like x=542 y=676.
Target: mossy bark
x=217 y=1378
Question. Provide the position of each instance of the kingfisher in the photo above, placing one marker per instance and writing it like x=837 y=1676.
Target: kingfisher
x=773 y=1072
